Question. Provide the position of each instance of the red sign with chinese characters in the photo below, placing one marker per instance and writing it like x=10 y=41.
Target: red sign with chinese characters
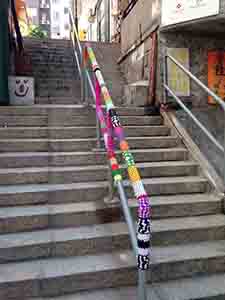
x=216 y=74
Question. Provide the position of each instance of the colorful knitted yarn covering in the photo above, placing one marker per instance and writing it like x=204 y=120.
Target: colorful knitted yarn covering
x=143 y=230
x=107 y=134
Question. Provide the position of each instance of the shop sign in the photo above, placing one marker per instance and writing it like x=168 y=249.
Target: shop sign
x=178 y=11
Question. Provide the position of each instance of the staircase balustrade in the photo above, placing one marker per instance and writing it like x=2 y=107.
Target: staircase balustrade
x=168 y=91
x=109 y=127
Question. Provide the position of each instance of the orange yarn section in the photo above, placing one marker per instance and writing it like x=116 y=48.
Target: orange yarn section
x=124 y=146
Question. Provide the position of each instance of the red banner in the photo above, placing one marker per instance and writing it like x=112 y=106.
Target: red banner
x=216 y=74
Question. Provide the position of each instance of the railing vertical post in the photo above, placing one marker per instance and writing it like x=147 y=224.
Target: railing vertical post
x=142 y=290
x=224 y=156
x=84 y=93
x=165 y=78
x=98 y=134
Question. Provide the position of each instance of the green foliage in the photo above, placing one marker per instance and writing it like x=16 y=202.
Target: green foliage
x=37 y=32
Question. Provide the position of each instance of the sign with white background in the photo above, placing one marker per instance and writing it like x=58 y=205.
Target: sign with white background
x=178 y=11
x=21 y=90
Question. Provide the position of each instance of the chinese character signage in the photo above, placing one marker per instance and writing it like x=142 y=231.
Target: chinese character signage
x=216 y=74
x=178 y=81
x=178 y=11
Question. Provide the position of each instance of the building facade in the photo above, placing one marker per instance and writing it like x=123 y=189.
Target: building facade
x=39 y=14
x=60 y=28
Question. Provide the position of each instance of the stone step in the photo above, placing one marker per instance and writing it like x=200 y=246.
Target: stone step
x=51 y=67
x=209 y=287
x=95 y=191
x=76 y=132
x=70 y=174
x=43 y=159
x=34 y=217
x=101 y=238
x=39 y=60
x=55 y=73
x=58 y=276
x=77 y=120
x=64 y=145
x=69 y=110
x=58 y=100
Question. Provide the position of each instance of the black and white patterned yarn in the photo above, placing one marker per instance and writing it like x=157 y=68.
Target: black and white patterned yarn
x=114 y=118
x=143 y=234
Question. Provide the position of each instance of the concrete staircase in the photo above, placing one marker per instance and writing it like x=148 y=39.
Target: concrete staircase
x=56 y=74
x=60 y=241
x=57 y=235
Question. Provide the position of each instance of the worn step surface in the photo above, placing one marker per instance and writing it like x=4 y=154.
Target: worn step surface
x=72 y=120
x=211 y=287
x=95 y=239
x=82 y=214
x=96 y=191
x=81 y=144
x=42 y=159
x=92 y=173
x=56 y=145
x=76 y=132
x=59 y=110
x=54 y=277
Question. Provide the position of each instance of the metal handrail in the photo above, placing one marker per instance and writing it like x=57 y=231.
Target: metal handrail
x=85 y=76
x=188 y=111
x=83 y=72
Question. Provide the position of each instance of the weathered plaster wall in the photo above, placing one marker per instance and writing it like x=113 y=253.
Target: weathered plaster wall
x=135 y=66
x=135 y=31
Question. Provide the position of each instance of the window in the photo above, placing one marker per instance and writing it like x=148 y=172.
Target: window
x=55 y=15
x=66 y=27
x=66 y=10
x=56 y=29
x=44 y=19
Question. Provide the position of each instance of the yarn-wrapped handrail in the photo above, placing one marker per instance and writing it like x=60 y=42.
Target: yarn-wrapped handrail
x=144 y=210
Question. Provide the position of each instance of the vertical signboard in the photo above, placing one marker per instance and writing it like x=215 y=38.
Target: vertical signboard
x=178 y=81
x=216 y=74
x=177 y=11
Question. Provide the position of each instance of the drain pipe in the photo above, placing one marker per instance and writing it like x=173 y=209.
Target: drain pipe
x=4 y=52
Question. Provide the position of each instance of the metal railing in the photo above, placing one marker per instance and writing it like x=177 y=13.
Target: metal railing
x=85 y=77
x=87 y=83
x=218 y=100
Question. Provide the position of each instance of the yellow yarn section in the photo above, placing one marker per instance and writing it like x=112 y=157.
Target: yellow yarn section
x=133 y=174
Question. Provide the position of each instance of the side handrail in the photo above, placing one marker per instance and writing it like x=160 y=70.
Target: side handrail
x=185 y=108
x=84 y=74
x=141 y=240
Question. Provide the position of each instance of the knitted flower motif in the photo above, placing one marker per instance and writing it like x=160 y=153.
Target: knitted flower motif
x=128 y=157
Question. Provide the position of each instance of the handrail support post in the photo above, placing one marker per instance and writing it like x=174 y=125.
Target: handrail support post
x=224 y=156
x=165 y=79
x=111 y=198
x=142 y=289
